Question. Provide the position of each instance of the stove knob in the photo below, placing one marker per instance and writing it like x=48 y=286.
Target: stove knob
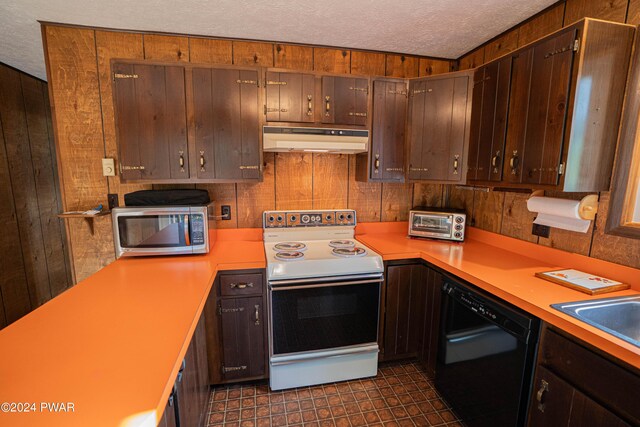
x=459 y=219
x=328 y=217
x=293 y=218
x=458 y=234
x=341 y=217
x=279 y=218
x=458 y=227
x=349 y=216
x=271 y=218
x=305 y=218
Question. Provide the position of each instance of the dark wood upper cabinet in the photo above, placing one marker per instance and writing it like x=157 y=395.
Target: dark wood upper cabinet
x=438 y=127
x=151 y=121
x=385 y=160
x=345 y=100
x=564 y=105
x=290 y=97
x=489 y=120
x=226 y=123
x=551 y=71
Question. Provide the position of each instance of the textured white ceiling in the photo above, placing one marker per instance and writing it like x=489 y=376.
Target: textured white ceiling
x=440 y=28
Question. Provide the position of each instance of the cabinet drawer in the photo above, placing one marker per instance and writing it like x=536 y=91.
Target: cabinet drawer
x=241 y=284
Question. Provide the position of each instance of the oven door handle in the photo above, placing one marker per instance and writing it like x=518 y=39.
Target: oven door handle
x=287 y=359
x=328 y=280
x=323 y=285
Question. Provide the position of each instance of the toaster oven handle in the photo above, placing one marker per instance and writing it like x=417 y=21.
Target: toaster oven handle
x=187 y=232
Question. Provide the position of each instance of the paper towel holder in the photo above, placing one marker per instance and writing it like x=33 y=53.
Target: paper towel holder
x=587 y=209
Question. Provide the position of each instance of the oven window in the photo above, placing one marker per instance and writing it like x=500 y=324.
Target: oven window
x=324 y=317
x=440 y=224
x=152 y=231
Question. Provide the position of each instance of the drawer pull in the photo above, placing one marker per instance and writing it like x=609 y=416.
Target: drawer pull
x=544 y=387
x=240 y=285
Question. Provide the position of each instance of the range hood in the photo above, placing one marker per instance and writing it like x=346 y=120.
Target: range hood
x=315 y=140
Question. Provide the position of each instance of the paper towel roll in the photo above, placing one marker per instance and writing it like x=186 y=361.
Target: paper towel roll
x=558 y=213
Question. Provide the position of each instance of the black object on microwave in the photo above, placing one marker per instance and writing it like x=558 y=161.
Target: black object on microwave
x=183 y=197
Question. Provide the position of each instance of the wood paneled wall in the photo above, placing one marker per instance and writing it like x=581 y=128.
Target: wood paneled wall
x=78 y=69
x=33 y=259
x=506 y=213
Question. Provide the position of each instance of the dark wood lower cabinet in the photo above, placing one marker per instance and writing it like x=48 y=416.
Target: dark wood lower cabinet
x=428 y=350
x=236 y=317
x=575 y=386
x=187 y=405
x=412 y=313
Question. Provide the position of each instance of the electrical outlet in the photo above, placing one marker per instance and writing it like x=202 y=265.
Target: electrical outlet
x=541 y=230
x=225 y=211
x=113 y=201
x=108 y=167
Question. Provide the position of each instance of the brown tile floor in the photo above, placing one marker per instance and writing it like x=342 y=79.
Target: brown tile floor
x=401 y=395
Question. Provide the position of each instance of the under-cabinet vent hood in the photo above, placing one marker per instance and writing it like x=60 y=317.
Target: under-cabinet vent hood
x=315 y=140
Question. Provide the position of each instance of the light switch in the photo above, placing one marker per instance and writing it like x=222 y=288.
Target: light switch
x=108 y=167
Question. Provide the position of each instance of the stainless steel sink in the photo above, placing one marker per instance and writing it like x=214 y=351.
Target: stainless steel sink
x=619 y=316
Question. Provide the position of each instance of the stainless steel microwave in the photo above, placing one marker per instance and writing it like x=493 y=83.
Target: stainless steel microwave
x=161 y=230
x=437 y=223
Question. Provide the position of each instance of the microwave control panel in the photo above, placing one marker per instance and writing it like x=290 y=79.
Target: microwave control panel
x=320 y=218
x=197 y=229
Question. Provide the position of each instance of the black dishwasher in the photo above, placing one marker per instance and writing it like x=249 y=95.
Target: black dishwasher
x=486 y=355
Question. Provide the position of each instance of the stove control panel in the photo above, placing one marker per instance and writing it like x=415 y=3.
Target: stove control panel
x=316 y=218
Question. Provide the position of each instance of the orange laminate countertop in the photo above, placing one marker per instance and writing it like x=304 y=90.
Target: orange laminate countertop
x=113 y=344
x=505 y=267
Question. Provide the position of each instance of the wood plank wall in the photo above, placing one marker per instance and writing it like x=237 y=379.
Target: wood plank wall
x=33 y=260
x=78 y=61
x=505 y=212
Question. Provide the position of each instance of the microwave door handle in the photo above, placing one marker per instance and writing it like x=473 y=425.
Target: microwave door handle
x=187 y=232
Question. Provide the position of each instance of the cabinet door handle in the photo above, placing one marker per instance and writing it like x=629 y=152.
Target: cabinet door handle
x=544 y=387
x=309 y=105
x=327 y=105
x=376 y=163
x=494 y=159
x=257 y=314
x=241 y=285
x=456 y=163
x=181 y=160
x=358 y=114
x=514 y=162
x=202 y=161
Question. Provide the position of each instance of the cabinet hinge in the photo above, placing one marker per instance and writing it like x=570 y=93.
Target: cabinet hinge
x=124 y=76
x=576 y=44
x=398 y=92
x=561 y=168
x=228 y=310
x=362 y=89
x=226 y=369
